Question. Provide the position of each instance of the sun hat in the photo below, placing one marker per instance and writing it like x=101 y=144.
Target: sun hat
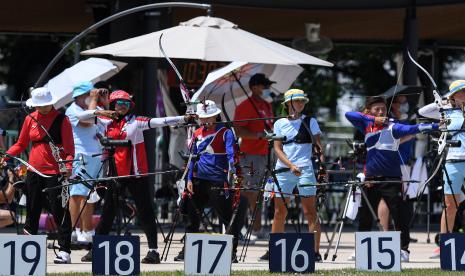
x=295 y=94
x=207 y=109
x=40 y=96
x=82 y=88
x=121 y=95
x=455 y=87
x=260 y=78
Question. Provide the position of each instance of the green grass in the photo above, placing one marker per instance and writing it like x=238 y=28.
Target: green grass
x=343 y=272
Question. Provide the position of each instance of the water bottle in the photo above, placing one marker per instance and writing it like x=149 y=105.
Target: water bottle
x=269 y=186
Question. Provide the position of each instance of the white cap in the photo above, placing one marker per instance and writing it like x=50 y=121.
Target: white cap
x=207 y=109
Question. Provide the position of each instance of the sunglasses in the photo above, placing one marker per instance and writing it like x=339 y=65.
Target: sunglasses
x=123 y=102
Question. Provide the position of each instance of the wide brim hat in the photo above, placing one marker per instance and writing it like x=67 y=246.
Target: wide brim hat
x=40 y=97
x=455 y=87
x=82 y=88
x=207 y=109
x=295 y=94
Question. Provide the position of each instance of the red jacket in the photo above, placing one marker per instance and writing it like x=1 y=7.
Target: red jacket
x=41 y=156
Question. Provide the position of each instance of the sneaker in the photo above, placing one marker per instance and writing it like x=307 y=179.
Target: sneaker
x=260 y=235
x=88 y=257
x=265 y=257
x=436 y=253
x=318 y=258
x=179 y=257
x=242 y=240
x=152 y=257
x=351 y=257
x=85 y=237
x=62 y=258
x=404 y=256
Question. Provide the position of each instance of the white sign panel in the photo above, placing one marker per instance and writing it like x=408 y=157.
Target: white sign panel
x=23 y=255
x=208 y=254
x=377 y=251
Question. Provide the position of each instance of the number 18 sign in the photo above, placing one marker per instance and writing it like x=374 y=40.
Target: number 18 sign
x=22 y=255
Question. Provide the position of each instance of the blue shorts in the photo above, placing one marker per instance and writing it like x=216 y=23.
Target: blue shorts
x=288 y=181
x=456 y=172
x=92 y=168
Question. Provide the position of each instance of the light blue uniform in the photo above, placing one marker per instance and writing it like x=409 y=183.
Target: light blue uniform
x=86 y=144
x=455 y=161
x=299 y=154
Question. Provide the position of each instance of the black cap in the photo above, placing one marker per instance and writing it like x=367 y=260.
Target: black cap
x=260 y=78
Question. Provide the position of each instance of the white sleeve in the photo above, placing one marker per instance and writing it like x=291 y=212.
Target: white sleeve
x=86 y=116
x=166 y=121
x=430 y=111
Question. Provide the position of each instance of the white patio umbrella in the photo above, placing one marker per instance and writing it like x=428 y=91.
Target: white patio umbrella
x=92 y=69
x=211 y=39
x=232 y=81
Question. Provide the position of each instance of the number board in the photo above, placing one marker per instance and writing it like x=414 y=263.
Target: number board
x=292 y=252
x=208 y=254
x=23 y=255
x=452 y=248
x=116 y=255
x=377 y=251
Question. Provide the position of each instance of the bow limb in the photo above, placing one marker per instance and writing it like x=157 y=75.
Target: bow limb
x=29 y=166
x=437 y=101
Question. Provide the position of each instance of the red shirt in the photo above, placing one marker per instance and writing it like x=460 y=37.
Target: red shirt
x=41 y=156
x=246 y=110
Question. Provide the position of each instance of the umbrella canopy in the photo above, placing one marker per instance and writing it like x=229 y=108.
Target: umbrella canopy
x=92 y=69
x=211 y=39
x=232 y=81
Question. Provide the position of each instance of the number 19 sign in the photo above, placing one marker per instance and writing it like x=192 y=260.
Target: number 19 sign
x=22 y=255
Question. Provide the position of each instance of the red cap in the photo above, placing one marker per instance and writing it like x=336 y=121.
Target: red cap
x=121 y=95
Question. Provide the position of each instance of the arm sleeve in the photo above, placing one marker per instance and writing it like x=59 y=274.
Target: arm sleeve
x=430 y=111
x=23 y=140
x=401 y=130
x=166 y=121
x=229 y=141
x=314 y=127
x=87 y=116
x=68 y=142
x=359 y=120
x=190 y=173
x=277 y=128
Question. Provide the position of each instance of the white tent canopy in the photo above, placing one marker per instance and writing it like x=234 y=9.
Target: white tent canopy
x=210 y=39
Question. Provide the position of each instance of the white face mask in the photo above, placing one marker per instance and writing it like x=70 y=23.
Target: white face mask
x=404 y=107
x=267 y=95
x=87 y=101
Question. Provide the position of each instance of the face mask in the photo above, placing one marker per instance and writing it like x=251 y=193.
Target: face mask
x=266 y=93
x=404 y=107
x=87 y=101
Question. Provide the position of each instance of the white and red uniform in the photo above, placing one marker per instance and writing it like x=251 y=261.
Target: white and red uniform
x=130 y=160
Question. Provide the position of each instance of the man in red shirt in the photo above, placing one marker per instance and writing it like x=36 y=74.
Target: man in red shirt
x=253 y=146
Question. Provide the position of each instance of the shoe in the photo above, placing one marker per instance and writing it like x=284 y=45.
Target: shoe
x=152 y=257
x=88 y=257
x=85 y=237
x=260 y=235
x=62 y=258
x=265 y=257
x=351 y=257
x=404 y=256
x=436 y=253
x=179 y=257
x=318 y=258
